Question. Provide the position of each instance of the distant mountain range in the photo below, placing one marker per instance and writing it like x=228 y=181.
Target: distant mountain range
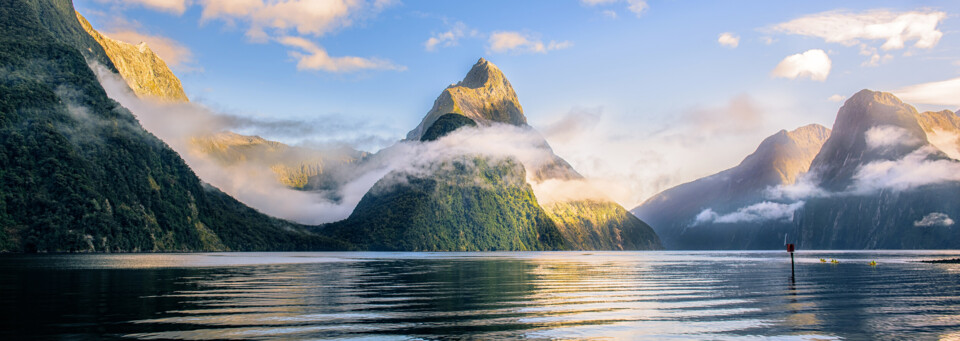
x=886 y=177
x=78 y=172
x=779 y=160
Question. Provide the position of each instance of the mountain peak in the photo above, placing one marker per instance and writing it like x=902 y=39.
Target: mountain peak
x=848 y=148
x=481 y=72
x=880 y=97
x=484 y=95
x=784 y=156
x=141 y=68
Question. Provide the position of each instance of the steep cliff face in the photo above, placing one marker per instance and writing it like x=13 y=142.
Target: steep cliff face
x=484 y=95
x=886 y=179
x=140 y=67
x=78 y=172
x=779 y=160
x=849 y=146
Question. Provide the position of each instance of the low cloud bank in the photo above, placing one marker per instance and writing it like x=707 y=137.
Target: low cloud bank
x=763 y=211
x=255 y=184
x=252 y=184
x=924 y=166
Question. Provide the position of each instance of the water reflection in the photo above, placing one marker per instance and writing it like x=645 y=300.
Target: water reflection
x=724 y=295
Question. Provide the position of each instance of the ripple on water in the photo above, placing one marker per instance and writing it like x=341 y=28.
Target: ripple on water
x=698 y=295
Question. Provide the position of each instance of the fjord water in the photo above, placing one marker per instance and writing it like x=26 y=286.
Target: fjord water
x=533 y=295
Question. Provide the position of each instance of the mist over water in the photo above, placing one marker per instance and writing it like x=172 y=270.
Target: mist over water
x=534 y=295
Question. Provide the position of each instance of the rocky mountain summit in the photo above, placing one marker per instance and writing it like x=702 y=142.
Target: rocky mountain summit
x=144 y=71
x=484 y=96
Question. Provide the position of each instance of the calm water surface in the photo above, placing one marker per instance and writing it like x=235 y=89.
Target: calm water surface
x=536 y=295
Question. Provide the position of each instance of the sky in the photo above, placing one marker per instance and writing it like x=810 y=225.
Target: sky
x=640 y=95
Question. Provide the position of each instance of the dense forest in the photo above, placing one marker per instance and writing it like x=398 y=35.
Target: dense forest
x=464 y=204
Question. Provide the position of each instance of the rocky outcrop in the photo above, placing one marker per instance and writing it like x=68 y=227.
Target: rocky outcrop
x=484 y=95
x=144 y=71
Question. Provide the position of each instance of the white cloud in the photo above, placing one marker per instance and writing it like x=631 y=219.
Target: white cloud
x=887 y=136
x=945 y=140
x=305 y=17
x=934 y=219
x=895 y=29
x=936 y=93
x=446 y=39
x=836 y=98
x=172 y=52
x=509 y=41
x=813 y=64
x=251 y=183
x=314 y=57
x=172 y=6
x=729 y=40
x=638 y=7
x=763 y=211
x=915 y=169
x=648 y=158
x=741 y=114
x=805 y=187
x=610 y=14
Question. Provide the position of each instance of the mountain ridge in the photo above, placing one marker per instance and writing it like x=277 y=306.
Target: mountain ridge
x=145 y=72
x=79 y=174
x=843 y=200
x=779 y=159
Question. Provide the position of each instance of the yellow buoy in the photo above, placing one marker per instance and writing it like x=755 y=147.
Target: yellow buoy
x=873 y=263
x=823 y=260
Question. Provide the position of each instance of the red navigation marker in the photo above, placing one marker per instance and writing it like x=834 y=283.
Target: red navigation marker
x=790 y=250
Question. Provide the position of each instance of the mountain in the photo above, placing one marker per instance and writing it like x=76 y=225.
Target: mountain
x=294 y=167
x=943 y=131
x=779 y=160
x=79 y=173
x=876 y=180
x=149 y=77
x=477 y=202
x=848 y=147
x=892 y=189
x=144 y=71
x=466 y=204
x=484 y=95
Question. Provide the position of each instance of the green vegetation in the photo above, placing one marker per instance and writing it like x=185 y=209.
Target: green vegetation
x=466 y=204
x=78 y=173
x=446 y=124
x=601 y=225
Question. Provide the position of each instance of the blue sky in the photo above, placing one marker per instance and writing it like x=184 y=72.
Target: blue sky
x=638 y=93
